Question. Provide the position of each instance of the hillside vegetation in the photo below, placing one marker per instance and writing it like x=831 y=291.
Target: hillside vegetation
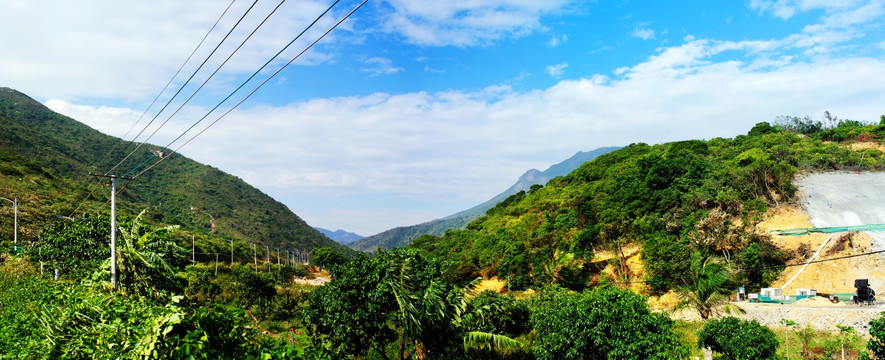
x=682 y=202
x=690 y=206
x=46 y=159
x=402 y=236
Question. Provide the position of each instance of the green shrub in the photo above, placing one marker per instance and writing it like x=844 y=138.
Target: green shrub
x=738 y=339
x=604 y=323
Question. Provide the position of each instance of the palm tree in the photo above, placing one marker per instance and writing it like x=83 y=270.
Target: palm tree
x=707 y=289
x=432 y=317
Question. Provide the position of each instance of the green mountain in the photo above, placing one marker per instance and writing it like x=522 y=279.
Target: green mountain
x=46 y=160
x=402 y=236
x=677 y=203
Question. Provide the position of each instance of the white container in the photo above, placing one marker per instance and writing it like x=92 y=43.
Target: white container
x=806 y=292
x=771 y=292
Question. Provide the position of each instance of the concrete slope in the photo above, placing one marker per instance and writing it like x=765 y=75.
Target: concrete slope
x=845 y=199
x=848 y=199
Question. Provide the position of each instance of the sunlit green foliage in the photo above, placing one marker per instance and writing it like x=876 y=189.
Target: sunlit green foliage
x=877 y=337
x=399 y=304
x=75 y=247
x=605 y=323
x=674 y=198
x=326 y=257
x=738 y=339
x=46 y=159
x=44 y=319
x=707 y=287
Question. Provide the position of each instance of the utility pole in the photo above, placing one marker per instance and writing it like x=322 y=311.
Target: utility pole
x=114 y=232
x=255 y=257
x=114 y=275
x=216 y=263
x=231 y=253
x=14 y=202
x=193 y=249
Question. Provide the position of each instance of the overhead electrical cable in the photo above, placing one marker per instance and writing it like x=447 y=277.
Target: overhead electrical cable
x=178 y=71
x=255 y=73
x=256 y=88
x=200 y=44
x=211 y=76
x=182 y=88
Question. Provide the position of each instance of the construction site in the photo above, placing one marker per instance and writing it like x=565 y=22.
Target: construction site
x=838 y=227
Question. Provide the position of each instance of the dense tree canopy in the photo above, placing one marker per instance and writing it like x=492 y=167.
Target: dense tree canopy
x=605 y=323
x=674 y=198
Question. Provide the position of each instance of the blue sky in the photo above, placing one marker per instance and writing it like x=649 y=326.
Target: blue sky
x=414 y=110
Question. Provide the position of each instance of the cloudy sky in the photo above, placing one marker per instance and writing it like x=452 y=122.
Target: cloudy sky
x=413 y=110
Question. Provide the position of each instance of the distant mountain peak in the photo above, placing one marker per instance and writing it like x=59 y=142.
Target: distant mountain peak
x=401 y=236
x=340 y=236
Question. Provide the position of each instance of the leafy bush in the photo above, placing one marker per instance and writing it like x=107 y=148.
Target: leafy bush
x=738 y=339
x=604 y=323
x=252 y=288
x=76 y=248
x=876 y=345
x=326 y=257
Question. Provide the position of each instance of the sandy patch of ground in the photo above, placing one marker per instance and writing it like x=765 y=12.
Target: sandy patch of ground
x=834 y=199
x=826 y=277
x=867 y=145
x=492 y=284
x=318 y=281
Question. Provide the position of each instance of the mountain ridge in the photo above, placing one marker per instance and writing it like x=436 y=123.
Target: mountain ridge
x=45 y=159
x=401 y=236
x=340 y=236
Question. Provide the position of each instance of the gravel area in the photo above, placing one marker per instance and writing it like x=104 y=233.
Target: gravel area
x=821 y=317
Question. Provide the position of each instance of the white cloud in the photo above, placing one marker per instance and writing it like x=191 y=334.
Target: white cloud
x=783 y=9
x=556 y=40
x=643 y=33
x=466 y=23
x=150 y=38
x=556 y=70
x=449 y=150
x=380 y=66
x=455 y=149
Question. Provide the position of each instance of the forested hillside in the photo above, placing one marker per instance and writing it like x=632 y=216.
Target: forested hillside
x=402 y=236
x=46 y=159
x=682 y=202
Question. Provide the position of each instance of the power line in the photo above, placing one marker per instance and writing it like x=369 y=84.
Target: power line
x=182 y=87
x=200 y=44
x=206 y=81
x=122 y=139
x=253 y=90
